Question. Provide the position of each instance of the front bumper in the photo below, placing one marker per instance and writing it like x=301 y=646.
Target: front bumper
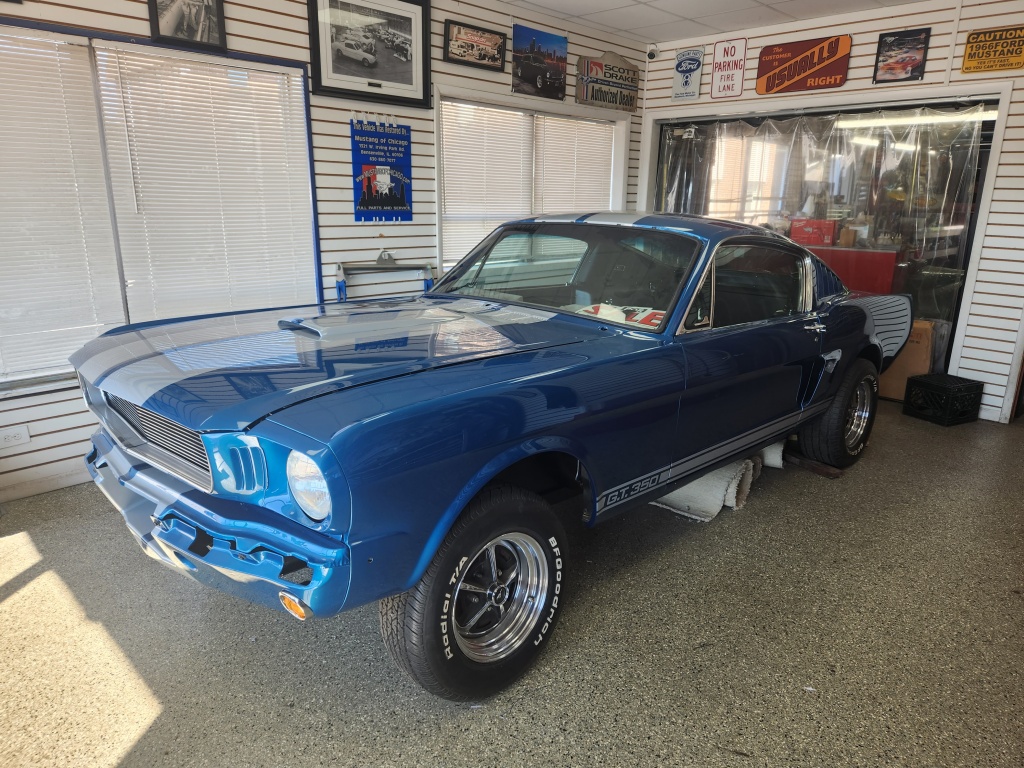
x=236 y=547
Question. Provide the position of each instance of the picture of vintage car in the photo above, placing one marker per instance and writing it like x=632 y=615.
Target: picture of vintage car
x=410 y=451
x=487 y=54
x=535 y=69
x=899 y=67
x=355 y=49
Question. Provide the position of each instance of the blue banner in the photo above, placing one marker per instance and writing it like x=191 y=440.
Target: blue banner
x=382 y=171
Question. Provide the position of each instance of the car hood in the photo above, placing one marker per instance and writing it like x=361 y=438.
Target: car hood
x=225 y=372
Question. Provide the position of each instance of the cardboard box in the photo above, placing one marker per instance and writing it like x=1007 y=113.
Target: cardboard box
x=847 y=237
x=813 y=231
x=914 y=360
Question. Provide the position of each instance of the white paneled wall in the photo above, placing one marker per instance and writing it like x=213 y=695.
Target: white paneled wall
x=988 y=344
x=58 y=421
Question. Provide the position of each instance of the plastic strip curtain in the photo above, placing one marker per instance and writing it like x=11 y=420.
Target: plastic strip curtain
x=895 y=186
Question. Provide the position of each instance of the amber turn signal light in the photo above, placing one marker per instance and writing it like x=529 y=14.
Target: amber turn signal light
x=294 y=606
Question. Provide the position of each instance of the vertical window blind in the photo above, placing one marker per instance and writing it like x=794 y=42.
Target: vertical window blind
x=59 y=282
x=501 y=164
x=206 y=163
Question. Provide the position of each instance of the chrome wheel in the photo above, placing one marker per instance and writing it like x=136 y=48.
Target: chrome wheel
x=499 y=597
x=858 y=413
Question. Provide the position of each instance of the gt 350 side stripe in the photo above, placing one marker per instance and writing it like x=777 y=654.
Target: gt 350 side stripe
x=624 y=492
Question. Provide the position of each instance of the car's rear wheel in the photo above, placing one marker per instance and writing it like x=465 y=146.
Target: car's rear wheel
x=488 y=601
x=842 y=432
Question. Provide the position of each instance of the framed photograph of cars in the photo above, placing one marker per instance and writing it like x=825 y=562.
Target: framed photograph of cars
x=901 y=55
x=539 y=62
x=195 y=24
x=474 y=46
x=371 y=50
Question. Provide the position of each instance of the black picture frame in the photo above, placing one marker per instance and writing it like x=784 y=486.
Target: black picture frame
x=371 y=50
x=198 y=24
x=901 y=56
x=471 y=46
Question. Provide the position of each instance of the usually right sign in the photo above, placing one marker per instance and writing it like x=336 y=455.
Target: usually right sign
x=994 y=50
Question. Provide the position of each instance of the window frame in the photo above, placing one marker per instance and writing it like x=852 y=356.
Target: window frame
x=805 y=259
x=621 y=130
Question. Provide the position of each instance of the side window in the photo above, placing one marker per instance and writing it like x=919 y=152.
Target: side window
x=755 y=282
x=699 y=315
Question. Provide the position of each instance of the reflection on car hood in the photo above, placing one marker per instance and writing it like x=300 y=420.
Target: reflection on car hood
x=225 y=372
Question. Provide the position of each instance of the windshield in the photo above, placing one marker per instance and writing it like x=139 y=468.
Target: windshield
x=618 y=275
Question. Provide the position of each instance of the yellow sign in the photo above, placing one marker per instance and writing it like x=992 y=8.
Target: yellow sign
x=994 y=50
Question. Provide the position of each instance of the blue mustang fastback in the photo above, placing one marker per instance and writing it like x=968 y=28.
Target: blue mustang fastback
x=410 y=450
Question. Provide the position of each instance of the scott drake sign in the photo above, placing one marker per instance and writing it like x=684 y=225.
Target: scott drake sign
x=808 y=65
x=607 y=81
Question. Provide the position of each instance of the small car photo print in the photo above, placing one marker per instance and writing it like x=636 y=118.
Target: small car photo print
x=192 y=23
x=474 y=46
x=901 y=55
x=363 y=37
x=538 y=62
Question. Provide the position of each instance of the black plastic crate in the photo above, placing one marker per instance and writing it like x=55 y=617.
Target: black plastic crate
x=942 y=399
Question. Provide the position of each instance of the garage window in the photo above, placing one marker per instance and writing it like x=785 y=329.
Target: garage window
x=503 y=164
x=140 y=184
x=60 y=283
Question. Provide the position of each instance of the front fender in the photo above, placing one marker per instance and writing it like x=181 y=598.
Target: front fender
x=507 y=458
x=396 y=560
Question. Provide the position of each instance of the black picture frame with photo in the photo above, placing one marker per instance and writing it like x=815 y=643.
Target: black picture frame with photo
x=195 y=24
x=471 y=46
x=901 y=56
x=371 y=50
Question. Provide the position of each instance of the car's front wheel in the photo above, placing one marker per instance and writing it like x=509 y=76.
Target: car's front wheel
x=540 y=82
x=842 y=432
x=487 y=603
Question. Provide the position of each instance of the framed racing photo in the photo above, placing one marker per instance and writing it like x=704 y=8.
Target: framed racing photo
x=195 y=24
x=474 y=46
x=901 y=56
x=372 y=50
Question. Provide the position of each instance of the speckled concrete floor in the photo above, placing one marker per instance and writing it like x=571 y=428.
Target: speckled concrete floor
x=874 y=620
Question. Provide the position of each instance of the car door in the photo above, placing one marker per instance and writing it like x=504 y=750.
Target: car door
x=752 y=345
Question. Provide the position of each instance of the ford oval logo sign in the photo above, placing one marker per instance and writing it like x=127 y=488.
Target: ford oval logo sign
x=687 y=65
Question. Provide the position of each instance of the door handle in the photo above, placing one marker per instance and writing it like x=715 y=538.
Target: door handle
x=816 y=327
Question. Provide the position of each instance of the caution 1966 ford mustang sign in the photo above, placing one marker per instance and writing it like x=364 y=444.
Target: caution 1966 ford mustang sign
x=409 y=451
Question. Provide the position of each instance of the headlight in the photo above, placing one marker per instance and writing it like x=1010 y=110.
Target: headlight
x=308 y=486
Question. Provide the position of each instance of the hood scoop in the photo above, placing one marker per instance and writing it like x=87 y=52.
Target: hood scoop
x=329 y=328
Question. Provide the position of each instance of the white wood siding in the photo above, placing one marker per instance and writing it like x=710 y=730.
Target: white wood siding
x=58 y=422
x=59 y=426
x=988 y=343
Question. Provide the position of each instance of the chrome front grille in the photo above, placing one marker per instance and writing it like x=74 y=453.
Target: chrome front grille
x=187 y=454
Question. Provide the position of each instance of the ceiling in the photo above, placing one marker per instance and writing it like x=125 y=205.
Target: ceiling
x=659 y=21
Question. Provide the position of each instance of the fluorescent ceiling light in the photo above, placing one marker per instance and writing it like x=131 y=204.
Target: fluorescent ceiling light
x=882 y=122
x=866 y=141
x=905 y=147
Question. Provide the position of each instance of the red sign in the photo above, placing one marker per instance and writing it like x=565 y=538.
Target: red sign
x=805 y=66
